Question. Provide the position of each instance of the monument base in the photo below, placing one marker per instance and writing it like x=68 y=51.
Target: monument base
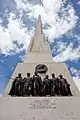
x=40 y=108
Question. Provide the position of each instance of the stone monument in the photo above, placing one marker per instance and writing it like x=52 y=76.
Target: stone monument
x=40 y=108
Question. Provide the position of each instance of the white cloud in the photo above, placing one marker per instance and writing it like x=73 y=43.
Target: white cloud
x=78 y=2
x=75 y=71
x=67 y=52
x=76 y=76
x=77 y=37
x=60 y=46
x=77 y=81
x=21 y=4
x=14 y=32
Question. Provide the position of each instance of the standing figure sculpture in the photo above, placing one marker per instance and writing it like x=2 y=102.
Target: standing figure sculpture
x=13 y=88
x=46 y=86
x=37 y=85
x=16 y=86
x=28 y=85
x=19 y=85
x=63 y=90
x=56 y=86
x=64 y=86
x=52 y=85
x=69 y=90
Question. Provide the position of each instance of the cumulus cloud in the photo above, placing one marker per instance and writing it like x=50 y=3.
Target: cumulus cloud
x=15 y=33
x=22 y=5
x=78 y=2
x=67 y=52
x=77 y=81
x=69 y=49
x=76 y=76
x=75 y=71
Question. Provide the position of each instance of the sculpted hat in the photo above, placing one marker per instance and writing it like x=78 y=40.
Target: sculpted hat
x=47 y=76
x=53 y=74
x=19 y=74
x=60 y=76
x=28 y=74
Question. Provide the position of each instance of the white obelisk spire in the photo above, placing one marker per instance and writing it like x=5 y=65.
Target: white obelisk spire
x=39 y=47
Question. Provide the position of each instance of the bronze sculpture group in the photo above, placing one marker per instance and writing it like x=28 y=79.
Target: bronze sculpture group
x=35 y=86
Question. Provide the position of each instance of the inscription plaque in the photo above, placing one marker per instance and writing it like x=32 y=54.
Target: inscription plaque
x=42 y=104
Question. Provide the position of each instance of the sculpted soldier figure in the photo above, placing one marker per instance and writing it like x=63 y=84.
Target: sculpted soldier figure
x=37 y=84
x=19 y=85
x=57 y=86
x=13 y=88
x=46 y=86
x=28 y=85
x=52 y=85
x=69 y=90
x=64 y=86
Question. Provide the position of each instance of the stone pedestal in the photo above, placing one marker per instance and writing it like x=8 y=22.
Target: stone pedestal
x=40 y=108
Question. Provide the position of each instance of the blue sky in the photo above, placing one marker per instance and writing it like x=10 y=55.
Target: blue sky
x=61 y=25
